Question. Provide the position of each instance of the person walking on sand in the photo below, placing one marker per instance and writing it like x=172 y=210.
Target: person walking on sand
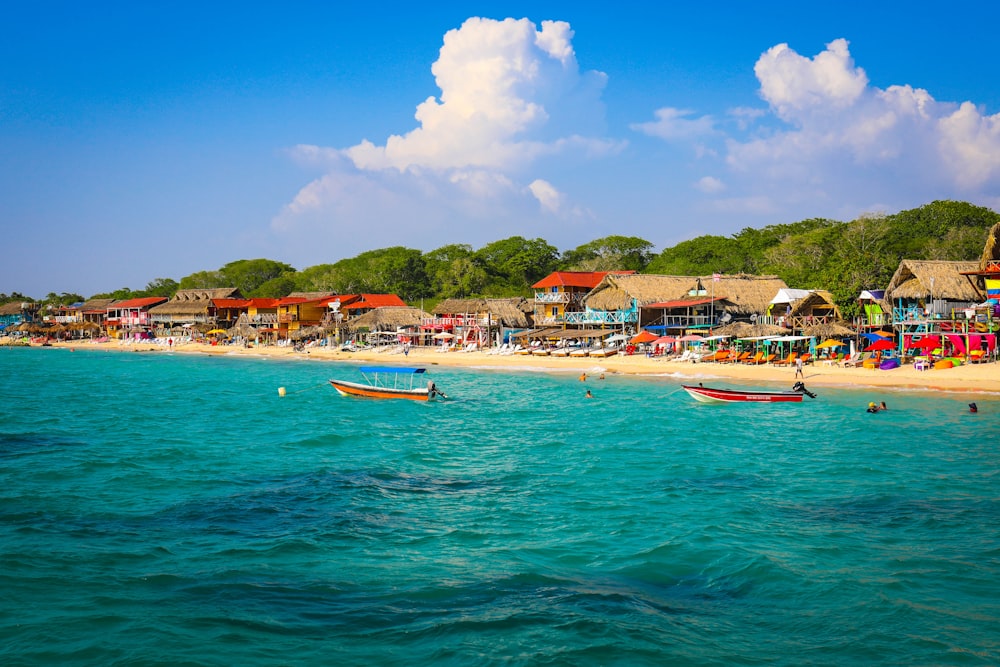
x=798 y=368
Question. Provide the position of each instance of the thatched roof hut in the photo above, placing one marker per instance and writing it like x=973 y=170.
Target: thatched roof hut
x=11 y=308
x=389 y=318
x=191 y=304
x=510 y=312
x=927 y=280
x=617 y=292
x=744 y=294
x=243 y=328
x=818 y=303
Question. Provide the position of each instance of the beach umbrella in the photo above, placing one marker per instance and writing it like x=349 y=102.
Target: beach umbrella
x=925 y=343
x=664 y=340
x=643 y=337
x=444 y=335
x=880 y=346
x=829 y=343
x=216 y=331
x=691 y=338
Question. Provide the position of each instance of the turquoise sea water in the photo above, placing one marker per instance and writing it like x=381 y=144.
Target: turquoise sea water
x=174 y=510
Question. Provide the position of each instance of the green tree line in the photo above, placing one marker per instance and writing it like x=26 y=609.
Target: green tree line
x=818 y=253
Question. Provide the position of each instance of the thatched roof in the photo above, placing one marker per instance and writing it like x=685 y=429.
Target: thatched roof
x=389 y=317
x=816 y=300
x=991 y=252
x=206 y=294
x=616 y=292
x=12 y=308
x=828 y=330
x=744 y=294
x=505 y=312
x=243 y=327
x=927 y=279
x=509 y=312
x=193 y=301
x=460 y=307
x=182 y=308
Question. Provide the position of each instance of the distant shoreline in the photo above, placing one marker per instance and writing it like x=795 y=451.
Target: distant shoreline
x=968 y=378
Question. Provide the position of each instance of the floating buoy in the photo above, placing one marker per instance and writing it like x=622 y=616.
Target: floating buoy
x=281 y=391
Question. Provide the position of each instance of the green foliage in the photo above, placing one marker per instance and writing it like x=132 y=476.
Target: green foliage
x=629 y=253
x=162 y=287
x=700 y=256
x=842 y=257
x=513 y=265
x=204 y=280
x=250 y=274
x=14 y=296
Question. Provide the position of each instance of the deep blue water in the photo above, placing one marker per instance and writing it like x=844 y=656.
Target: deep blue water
x=172 y=509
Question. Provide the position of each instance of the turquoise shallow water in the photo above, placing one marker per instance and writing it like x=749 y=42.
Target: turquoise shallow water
x=173 y=509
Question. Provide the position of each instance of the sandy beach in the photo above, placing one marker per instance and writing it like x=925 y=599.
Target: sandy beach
x=971 y=378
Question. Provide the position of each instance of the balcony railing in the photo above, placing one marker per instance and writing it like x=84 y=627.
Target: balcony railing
x=552 y=297
x=288 y=317
x=600 y=317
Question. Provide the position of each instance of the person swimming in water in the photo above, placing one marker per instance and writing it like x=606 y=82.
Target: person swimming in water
x=872 y=407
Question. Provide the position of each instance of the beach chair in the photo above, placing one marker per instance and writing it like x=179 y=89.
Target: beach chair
x=852 y=361
x=807 y=358
x=755 y=359
x=787 y=361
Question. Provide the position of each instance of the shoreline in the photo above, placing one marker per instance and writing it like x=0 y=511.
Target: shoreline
x=968 y=378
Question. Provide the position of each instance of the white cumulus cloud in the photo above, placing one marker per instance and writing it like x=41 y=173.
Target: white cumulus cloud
x=844 y=143
x=511 y=93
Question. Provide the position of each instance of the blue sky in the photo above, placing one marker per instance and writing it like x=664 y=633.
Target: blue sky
x=142 y=141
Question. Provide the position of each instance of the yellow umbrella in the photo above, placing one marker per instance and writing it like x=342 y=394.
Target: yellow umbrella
x=217 y=331
x=830 y=342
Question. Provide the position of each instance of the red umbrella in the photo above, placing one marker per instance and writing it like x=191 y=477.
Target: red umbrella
x=665 y=340
x=925 y=343
x=880 y=346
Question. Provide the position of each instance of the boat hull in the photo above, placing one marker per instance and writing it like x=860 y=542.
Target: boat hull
x=710 y=395
x=345 y=388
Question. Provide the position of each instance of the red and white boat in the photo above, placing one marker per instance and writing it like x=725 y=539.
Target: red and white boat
x=716 y=395
x=389 y=382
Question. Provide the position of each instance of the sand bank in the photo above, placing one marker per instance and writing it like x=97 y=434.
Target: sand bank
x=973 y=378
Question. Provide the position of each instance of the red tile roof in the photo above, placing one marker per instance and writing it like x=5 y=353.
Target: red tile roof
x=231 y=303
x=375 y=301
x=588 y=279
x=261 y=302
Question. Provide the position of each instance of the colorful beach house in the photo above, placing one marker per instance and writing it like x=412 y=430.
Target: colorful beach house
x=477 y=321
x=16 y=312
x=559 y=295
x=191 y=306
x=131 y=316
x=928 y=295
x=679 y=303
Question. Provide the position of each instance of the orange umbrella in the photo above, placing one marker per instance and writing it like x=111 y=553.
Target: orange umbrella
x=644 y=337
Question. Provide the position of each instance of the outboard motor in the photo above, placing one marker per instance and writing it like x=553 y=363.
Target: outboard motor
x=799 y=387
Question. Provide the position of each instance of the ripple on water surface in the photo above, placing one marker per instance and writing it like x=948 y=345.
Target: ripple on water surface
x=172 y=509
